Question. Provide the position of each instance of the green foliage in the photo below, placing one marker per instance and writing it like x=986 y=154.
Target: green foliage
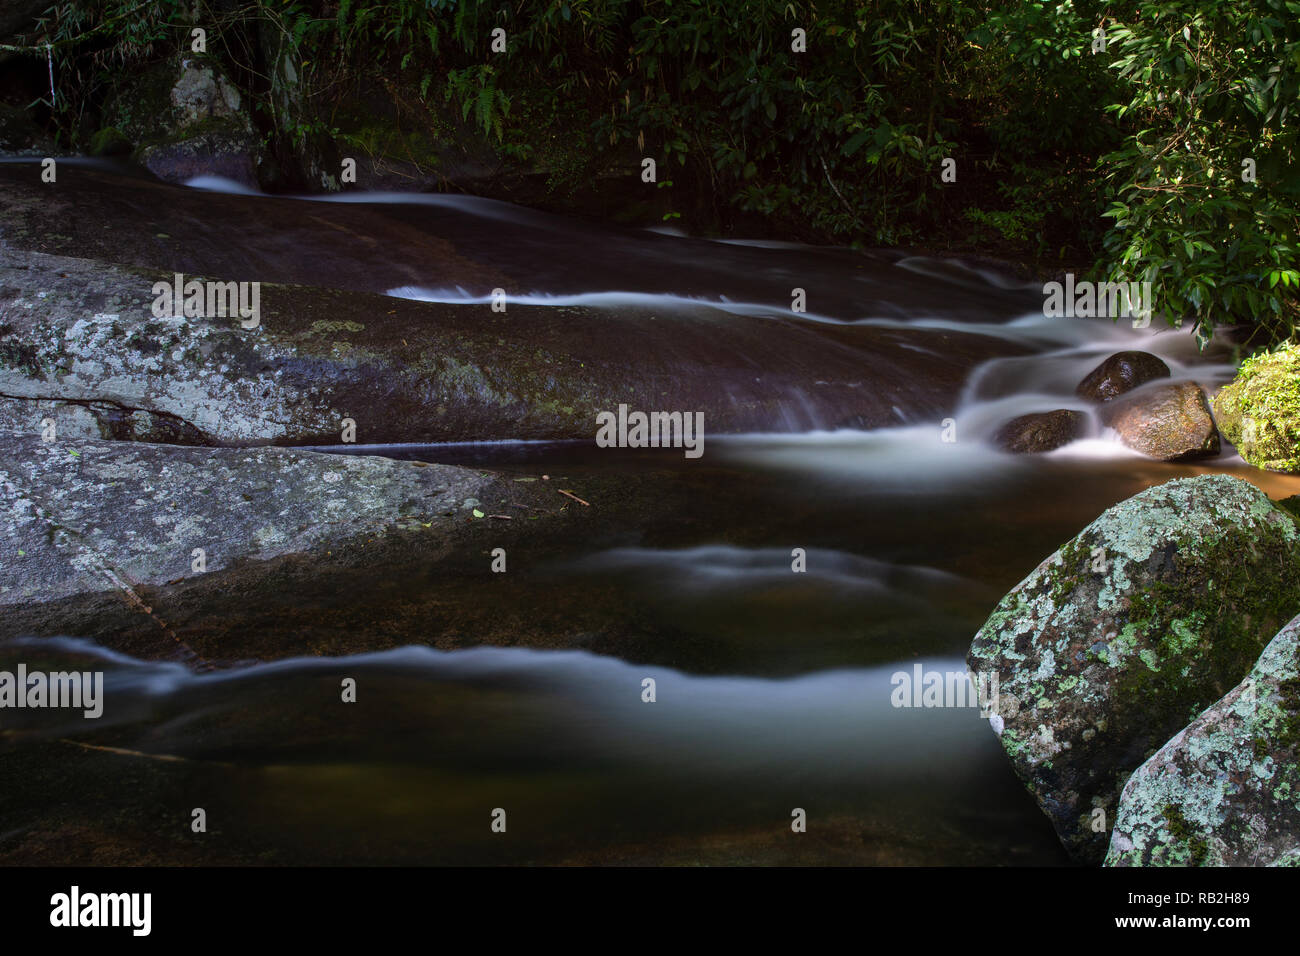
x=1206 y=92
x=1128 y=156
x=475 y=88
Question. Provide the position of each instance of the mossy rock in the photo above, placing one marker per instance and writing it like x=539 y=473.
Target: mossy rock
x=1226 y=790
x=1292 y=505
x=110 y=141
x=186 y=118
x=1259 y=411
x=1120 y=639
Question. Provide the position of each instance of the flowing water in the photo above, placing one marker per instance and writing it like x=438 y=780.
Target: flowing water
x=773 y=689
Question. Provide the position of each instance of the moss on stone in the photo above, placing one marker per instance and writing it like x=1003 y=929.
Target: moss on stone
x=1196 y=847
x=1110 y=658
x=109 y=141
x=1259 y=411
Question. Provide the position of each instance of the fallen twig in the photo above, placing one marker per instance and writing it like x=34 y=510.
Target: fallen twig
x=122 y=751
x=569 y=494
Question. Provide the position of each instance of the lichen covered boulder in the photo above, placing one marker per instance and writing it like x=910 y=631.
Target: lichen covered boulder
x=1259 y=411
x=1226 y=790
x=1130 y=630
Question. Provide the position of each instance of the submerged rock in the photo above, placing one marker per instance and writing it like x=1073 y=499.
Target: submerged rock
x=1122 y=372
x=166 y=551
x=1124 y=635
x=307 y=553
x=1166 y=422
x=1259 y=411
x=1041 y=431
x=1225 y=791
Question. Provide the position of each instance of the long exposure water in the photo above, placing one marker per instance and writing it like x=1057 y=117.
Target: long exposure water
x=772 y=689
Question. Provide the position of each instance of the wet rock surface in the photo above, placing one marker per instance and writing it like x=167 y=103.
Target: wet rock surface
x=90 y=514
x=1166 y=422
x=75 y=333
x=451 y=242
x=321 y=554
x=1113 y=644
x=1041 y=431
x=1122 y=372
x=327 y=553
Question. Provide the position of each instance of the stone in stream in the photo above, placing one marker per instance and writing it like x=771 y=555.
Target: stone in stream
x=1041 y=431
x=1166 y=422
x=1129 y=631
x=188 y=119
x=80 y=337
x=1259 y=411
x=1122 y=372
x=1225 y=791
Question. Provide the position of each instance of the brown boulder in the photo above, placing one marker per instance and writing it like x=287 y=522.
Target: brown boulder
x=1168 y=422
x=1041 y=431
x=1122 y=372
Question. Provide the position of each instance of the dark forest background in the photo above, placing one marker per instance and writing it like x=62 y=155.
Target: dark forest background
x=1133 y=141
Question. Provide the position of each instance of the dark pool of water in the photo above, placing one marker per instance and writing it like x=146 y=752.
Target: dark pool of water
x=787 y=707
